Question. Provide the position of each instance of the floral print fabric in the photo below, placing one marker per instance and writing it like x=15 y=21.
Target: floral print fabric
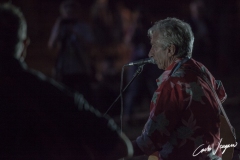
x=184 y=115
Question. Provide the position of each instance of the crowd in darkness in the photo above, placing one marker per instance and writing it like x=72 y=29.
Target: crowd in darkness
x=92 y=51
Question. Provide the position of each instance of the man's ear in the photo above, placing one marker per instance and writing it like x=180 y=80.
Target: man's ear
x=26 y=43
x=171 y=50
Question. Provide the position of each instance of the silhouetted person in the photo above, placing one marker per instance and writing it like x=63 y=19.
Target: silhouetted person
x=41 y=119
x=102 y=20
x=144 y=85
x=72 y=37
x=205 y=38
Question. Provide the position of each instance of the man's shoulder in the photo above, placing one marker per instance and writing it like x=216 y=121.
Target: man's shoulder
x=189 y=70
x=18 y=78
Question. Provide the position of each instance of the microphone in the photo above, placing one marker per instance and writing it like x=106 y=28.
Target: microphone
x=140 y=62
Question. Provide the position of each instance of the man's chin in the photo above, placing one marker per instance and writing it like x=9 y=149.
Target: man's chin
x=162 y=68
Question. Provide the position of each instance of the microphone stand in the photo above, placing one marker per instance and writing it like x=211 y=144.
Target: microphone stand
x=138 y=71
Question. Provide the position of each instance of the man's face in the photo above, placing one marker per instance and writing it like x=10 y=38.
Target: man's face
x=159 y=54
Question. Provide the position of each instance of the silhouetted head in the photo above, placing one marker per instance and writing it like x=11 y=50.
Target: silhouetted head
x=70 y=9
x=13 y=32
x=197 y=9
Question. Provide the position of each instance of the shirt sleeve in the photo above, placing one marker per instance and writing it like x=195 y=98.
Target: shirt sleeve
x=217 y=85
x=166 y=107
x=220 y=91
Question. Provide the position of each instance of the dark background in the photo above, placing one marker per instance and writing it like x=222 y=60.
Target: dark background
x=41 y=15
x=224 y=14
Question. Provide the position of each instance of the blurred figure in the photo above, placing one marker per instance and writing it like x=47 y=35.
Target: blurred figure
x=102 y=53
x=110 y=52
x=205 y=39
x=102 y=20
x=144 y=85
x=72 y=37
x=40 y=118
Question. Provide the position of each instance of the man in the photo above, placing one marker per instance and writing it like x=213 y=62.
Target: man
x=41 y=119
x=184 y=115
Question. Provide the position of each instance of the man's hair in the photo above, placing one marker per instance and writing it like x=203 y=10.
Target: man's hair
x=13 y=29
x=176 y=32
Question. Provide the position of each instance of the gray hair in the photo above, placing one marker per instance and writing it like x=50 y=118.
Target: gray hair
x=176 y=32
x=13 y=29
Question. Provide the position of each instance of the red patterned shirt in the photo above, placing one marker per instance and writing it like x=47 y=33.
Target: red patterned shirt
x=184 y=115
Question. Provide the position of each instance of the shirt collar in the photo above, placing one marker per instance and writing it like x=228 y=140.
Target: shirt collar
x=166 y=73
x=172 y=65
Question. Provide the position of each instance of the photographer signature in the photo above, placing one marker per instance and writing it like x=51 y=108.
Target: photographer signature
x=209 y=148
